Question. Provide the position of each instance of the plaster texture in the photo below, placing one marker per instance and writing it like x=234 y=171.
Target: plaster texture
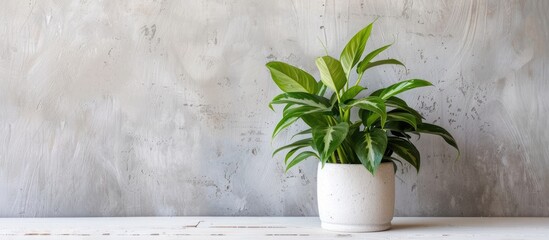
x=138 y=108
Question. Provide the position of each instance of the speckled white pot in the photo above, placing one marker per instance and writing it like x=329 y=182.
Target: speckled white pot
x=351 y=199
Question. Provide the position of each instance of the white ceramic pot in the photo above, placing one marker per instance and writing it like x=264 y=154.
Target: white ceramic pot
x=351 y=199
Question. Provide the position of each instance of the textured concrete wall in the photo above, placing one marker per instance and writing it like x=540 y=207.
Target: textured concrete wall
x=119 y=108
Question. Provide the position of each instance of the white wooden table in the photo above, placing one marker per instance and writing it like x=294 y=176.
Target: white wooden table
x=265 y=228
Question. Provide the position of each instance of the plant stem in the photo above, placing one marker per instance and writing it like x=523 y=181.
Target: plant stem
x=340 y=112
x=341 y=156
x=359 y=78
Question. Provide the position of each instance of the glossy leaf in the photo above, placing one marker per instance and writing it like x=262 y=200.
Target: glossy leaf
x=362 y=68
x=291 y=153
x=292 y=79
x=283 y=124
x=328 y=138
x=331 y=73
x=299 y=158
x=436 y=130
x=321 y=88
x=401 y=104
x=369 y=57
x=403 y=117
x=299 y=143
x=367 y=117
x=352 y=52
x=403 y=86
x=351 y=93
x=405 y=150
x=291 y=114
x=371 y=103
x=315 y=119
x=303 y=99
x=308 y=131
x=370 y=147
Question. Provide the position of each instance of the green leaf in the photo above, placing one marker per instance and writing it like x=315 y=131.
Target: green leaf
x=294 y=112
x=424 y=128
x=399 y=126
x=331 y=73
x=328 y=138
x=403 y=86
x=352 y=52
x=351 y=93
x=354 y=128
x=370 y=147
x=283 y=124
x=291 y=153
x=292 y=79
x=405 y=150
x=303 y=99
x=368 y=118
x=299 y=158
x=371 y=103
x=370 y=56
x=308 y=131
x=333 y=99
x=299 y=143
x=298 y=111
x=436 y=130
x=401 y=104
x=401 y=134
x=402 y=117
x=321 y=88
x=362 y=68
x=315 y=119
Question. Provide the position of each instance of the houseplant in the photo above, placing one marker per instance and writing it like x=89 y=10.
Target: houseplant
x=351 y=135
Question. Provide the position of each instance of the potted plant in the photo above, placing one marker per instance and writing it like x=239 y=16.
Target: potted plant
x=357 y=139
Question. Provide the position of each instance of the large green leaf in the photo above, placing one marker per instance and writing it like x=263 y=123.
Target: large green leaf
x=368 y=118
x=370 y=147
x=424 y=128
x=301 y=98
x=292 y=79
x=369 y=57
x=363 y=67
x=291 y=114
x=315 y=119
x=398 y=103
x=405 y=150
x=403 y=117
x=403 y=86
x=436 y=130
x=283 y=124
x=371 y=103
x=351 y=93
x=300 y=143
x=299 y=158
x=352 y=52
x=331 y=73
x=328 y=138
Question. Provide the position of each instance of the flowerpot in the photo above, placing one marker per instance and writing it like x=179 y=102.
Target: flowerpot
x=351 y=199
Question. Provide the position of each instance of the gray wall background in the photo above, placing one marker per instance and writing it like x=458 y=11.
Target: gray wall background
x=123 y=108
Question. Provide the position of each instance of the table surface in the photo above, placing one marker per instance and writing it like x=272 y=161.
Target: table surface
x=266 y=228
